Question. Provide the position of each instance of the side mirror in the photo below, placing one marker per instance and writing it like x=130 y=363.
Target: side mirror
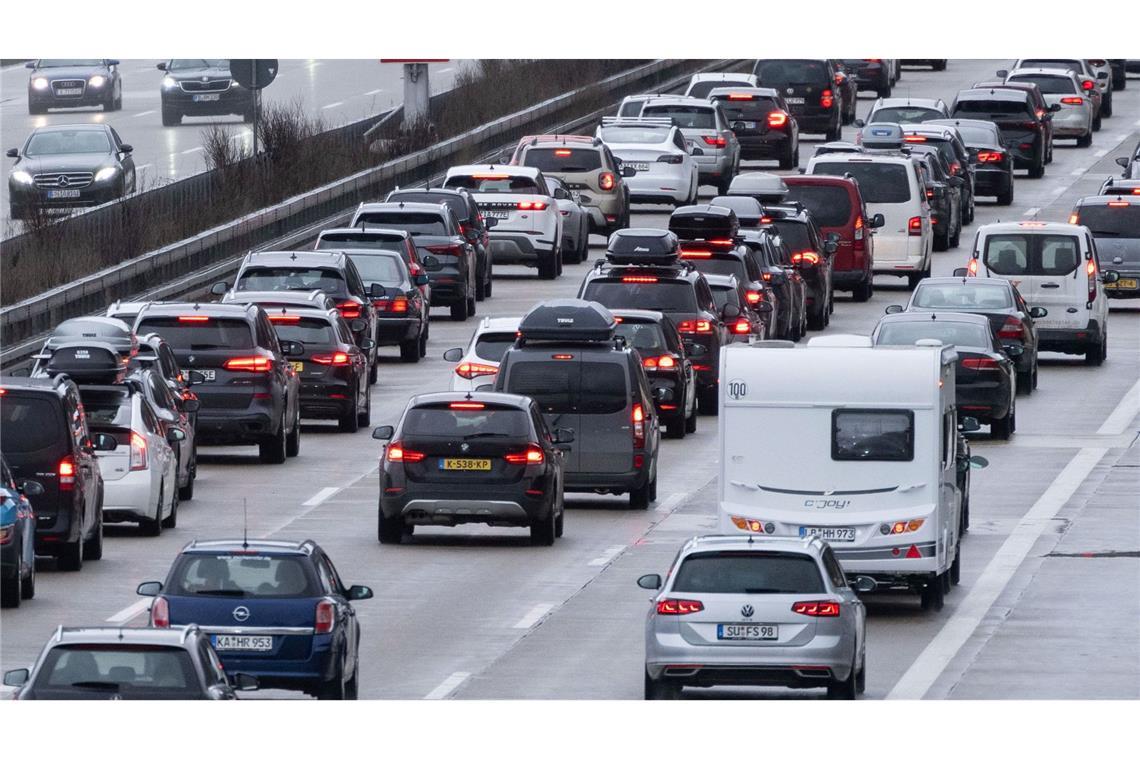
x=560 y=194
x=1038 y=312
x=149 y=588
x=194 y=377
x=830 y=247
x=663 y=394
x=979 y=463
x=420 y=279
x=14 y=153
x=383 y=433
x=31 y=488
x=127 y=148
x=628 y=171
x=695 y=350
x=1122 y=162
x=175 y=435
x=877 y=221
x=1003 y=73
x=453 y=354
x=366 y=344
x=160 y=66
x=490 y=222
x=651 y=581
x=764 y=307
x=730 y=311
x=960 y=272
x=291 y=348
x=1055 y=108
x=957 y=182
x=375 y=290
x=219 y=288
x=245 y=682
x=358 y=324
x=357 y=593
x=431 y=264
x=104 y=442
x=969 y=424
x=564 y=435
x=698 y=151
x=191 y=405
x=864 y=584
x=893 y=309
x=1110 y=276
x=859 y=123
x=30 y=65
x=1014 y=351
x=16 y=677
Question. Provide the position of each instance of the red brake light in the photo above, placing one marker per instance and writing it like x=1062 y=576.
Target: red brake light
x=326 y=617
x=678 y=606
x=805 y=257
x=638 y=278
x=659 y=362
x=562 y=357
x=740 y=96
x=532 y=455
x=990 y=157
x=1074 y=218
x=1087 y=84
x=754 y=296
x=696 y=254
x=777 y=119
x=397 y=453
x=398 y=305
x=193 y=318
x=607 y=180
x=532 y=205
x=982 y=363
x=742 y=327
x=1119 y=204
x=638 y=417
x=717 y=142
x=562 y=152
x=490 y=176
x=249 y=364
x=349 y=309
x=290 y=318
x=138 y=452
x=1073 y=101
x=471 y=370
x=467 y=406
x=1090 y=269
x=914 y=225
x=972 y=268
x=816 y=609
x=694 y=326
x=160 y=613
x=1011 y=329
x=337 y=359
x=66 y=472
x=826 y=99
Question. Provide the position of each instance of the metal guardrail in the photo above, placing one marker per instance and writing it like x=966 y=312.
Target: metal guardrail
x=186 y=268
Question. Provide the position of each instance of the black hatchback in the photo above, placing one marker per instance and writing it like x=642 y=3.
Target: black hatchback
x=811 y=255
x=668 y=364
x=809 y=90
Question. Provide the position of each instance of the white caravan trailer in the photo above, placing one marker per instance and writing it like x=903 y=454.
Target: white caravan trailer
x=853 y=443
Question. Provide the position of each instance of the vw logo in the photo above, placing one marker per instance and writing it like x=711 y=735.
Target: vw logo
x=241 y=614
x=63 y=181
x=746 y=610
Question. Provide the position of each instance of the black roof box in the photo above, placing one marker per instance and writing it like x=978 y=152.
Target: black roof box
x=704 y=222
x=87 y=362
x=568 y=320
x=643 y=246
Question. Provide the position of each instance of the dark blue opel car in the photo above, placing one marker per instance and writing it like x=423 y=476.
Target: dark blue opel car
x=274 y=609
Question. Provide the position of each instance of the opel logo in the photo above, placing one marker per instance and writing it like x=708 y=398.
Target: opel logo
x=241 y=614
x=746 y=610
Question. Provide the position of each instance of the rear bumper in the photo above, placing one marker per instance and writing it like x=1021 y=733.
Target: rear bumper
x=221 y=429
x=232 y=101
x=992 y=182
x=62 y=527
x=849 y=278
x=390 y=331
x=656 y=188
x=130 y=498
x=816 y=120
x=326 y=400
x=668 y=656
x=988 y=400
x=496 y=505
x=282 y=673
x=714 y=165
x=769 y=145
x=1072 y=123
x=609 y=482
x=518 y=248
x=1069 y=341
x=447 y=287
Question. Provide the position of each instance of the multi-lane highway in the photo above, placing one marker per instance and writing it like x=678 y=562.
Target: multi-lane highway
x=477 y=612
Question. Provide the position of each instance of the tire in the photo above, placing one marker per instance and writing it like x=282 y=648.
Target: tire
x=170 y=117
x=333 y=689
x=818 y=320
x=71 y=557
x=691 y=421
x=271 y=450
x=722 y=186
x=863 y=291
x=186 y=492
x=560 y=522
x=884 y=92
x=788 y=158
x=542 y=532
x=410 y=350
x=1106 y=108
x=639 y=497
x=93 y=547
x=352 y=688
x=293 y=440
x=36 y=110
x=956 y=568
x=912 y=280
x=472 y=304
x=845 y=689
x=1095 y=356
x=489 y=286
x=1006 y=198
x=109 y=103
x=1002 y=429
x=171 y=520
x=861 y=678
x=149 y=527
x=833 y=134
x=707 y=401
x=933 y=597
x=373 y=373
x=390 y=530
x=12 y=591
x=424 y=332
x=1084 y=141
x=656 y=689
x=1097 y=122
x=1038 y=171
x=676 y=428
x=942 y=241
x=459 y=311
x=480 y=280
x=939 y=66
x=364 y=419
x=548 y=270
x=349 y=422
x=28 y=585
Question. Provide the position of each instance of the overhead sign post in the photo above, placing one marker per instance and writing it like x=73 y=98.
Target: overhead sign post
x=254 y=74
x=417 y=89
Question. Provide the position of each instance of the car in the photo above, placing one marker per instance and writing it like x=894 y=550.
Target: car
x=1025 y=131
x=1037 y=101
x=665 y=161
x=74 y=82
x=575 y=222
x=274 y=609
x=836 y=205
x=847 y=86
x=780 y=273
x=350 y=239
x=905 y=111
x=333 y=272
x=175 y=406
x=747 y=327
x=202 y=87
x=332 y=368
x=569 y=362
x=1094 y=79
x=1057 y=268
x=402 y=312
x=594 y=176
x=872 y=74
x=17 y=538
x=700 y=85
x=249 y=392
x=44 y=437
x=667 y=362
x=985 y=380
x=62 y=167
x=891 y=185
x=935 y=64
x=1118 y=67
x=1060 y=87
x=472 y=226
x=1130 y=165
x=460 y=457
x=477 y=364
x=956 y=158
x=812 y=256
x=996 y=299
x=992 y=162
x=762 y=122
x=745 y=611
x=526 y=225
x=1117 y=186
x=706 y=126
x=944 y=193
x=1114 y=221
x=655 y=278
x=128 y=663
x=809 y=90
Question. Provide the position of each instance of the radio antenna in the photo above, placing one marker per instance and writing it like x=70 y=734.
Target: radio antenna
x=244 y=524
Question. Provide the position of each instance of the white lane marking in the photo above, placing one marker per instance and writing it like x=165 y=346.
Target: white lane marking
x=671 y=503
x=332 y=105
x=1101 y=153
x=143 y=113
x=375 y=92
x=537 y=612
x=607 y=555
x=1031 y=211
x=193 y=150
x=282 y=526
x=1077 y=172
x=143 y=168
x=928 y=666
x=444 y=71
x=321 y=495
x=450 y=684
x=129 y=612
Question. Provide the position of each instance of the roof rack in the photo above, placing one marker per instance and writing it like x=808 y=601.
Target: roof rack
x=633 y=121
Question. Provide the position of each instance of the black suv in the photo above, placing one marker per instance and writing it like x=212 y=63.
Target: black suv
x=643 y=270
x=250 y=392
x=44 y=437
x=872 y=74
x=789 y=291
x=202 y=87
x=808 y=87
x=811 y=255
x=1024 y=129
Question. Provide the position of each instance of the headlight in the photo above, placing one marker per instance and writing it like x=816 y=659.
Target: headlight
x=106 y=173
x=22 y=177
x=97 y=80
x=168 y=83
x=40 y=83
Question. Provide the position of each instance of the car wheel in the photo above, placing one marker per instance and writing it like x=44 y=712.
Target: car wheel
x=861 y=678
x=459 y=311
x=834 y=134
x=542 y=532
x=364 y=418
x=548 y=269
x=34 y=110
x=424 y=340
x=1038 y=171
x=93 y=546
x=707 y=400
x=884 y=92
x=863 y=290
x=373 y=372
x=271 y=449
x=186 y=492
x=932 y=595
x=28 y=587
x=639 y=498
x=1106 y=109
x=956 y=238
x=1084 y=141
x=171 y=520
x=658 y=689
x=846 y=688
x=1006 y=198
x=480 y=281
x=71 y=557
x=149 y=527
x=12 y=590
x=1002 y=429
x=349 y=422
x=410 y=350
x=334 y=688
x=390 y=530
x=489 y=285
x=1097 y=122
x=788 y=158
x=560 y=521
x=1095 y=355
x=676 y=427
x=691 y=421
x=472 y=303
x=956 y=568
x=171 y=117
x=912 y=280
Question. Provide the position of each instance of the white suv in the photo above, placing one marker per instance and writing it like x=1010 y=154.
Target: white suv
x=479 y=362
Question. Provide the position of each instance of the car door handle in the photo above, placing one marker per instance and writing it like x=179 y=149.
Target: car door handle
x=1050 y=285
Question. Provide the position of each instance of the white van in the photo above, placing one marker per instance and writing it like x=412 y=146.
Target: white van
x=892 y=186
x=1055 y=266
x=852 y=443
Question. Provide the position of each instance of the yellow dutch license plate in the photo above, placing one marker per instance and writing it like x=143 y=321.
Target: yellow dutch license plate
x=473 y=465
x=1126 y=284
x=298 y=366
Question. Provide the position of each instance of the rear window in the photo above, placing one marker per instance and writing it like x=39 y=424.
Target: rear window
x=494 y=183
x=645 y=337
x=747 y=110
x=702 y=89
x=795 y=234
x=87 y=670
x=445 y=422
x=1044 y=255
x=457 y=204
x=371 y=242
x=732 y=266
x=974 y=297
x=958 y=333
x=307 y=331
x=775 y=73
x=642 y=135
x=1111 y=221
x=289 y=278
x=280 y=576
x=685 y=117
x=724 y=295
x=829 y=205
x=492 y=346
x=985 y=109
x=663 y=295
x=906 y=115
x=878 y=435
x=878 y=182
x=107 y=408
x=561 y=387
x=1046 y=63
x=28 y=423
x=204 y=335
x=413 y=222
x=977 y=136
x=382 y=269
x=1049 y=85
x=563 y=160
x=752 y=572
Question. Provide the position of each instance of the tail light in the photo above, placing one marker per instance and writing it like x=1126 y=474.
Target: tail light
x=326 y=617
x=990 y=157
x=859 y=226
x=826 y=99
x=337 y=359
x=696 y=254
x=767 y=276
x=638 y=418
x=194 y=318
x=532 y=455
x=397 y=305
x=397 y=453
x=1087 y=84
x=472 y=370
x=659 y=362
x=1090 y=268
x=1074 y=218
x=741 y=96
x=955 y=168
x=678 y=606
x=1073 y=101
x=160 y=613
x=742 y=326
x=695 y=326
x=532 y=205
x=754 y=297
x=450 y=249
x=138 y=452
x=816 y=609
x=638 y=278
x=287 y=318
x=349 y=309
x=719 y=141
x=748 y=524
x=607 y=180
x=66 y=472
x=972 y=268
x=914 y=226
x=1011 y=329
x=248 y=364
x=805 y=257
x=980 y=363
x=1119 y=204
x=777 y=119
x=467 y=406
x=670 y=158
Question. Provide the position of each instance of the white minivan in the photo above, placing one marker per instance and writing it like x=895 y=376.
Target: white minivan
x=891 y=185
x=1055 y=266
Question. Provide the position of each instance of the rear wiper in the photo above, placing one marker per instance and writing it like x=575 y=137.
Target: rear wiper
x=222 y=592
x=486 y=435
x=766 y=591
x=104 y=685
x=204 y=346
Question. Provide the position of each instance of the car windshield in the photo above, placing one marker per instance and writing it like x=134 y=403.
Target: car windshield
x=291 y=278
x=958 y=297
x=1043 y=255
x=1112 y=221
x=992 y=109
x=702 y=89
x=563 y=160
x=1049 y=85
x=67 y=142
x=748 y=572
x=387 y=270
x=492 y=346
x=494 y=183
x=646 y=337
x=878 y=182
x=906 y=114
x=107 y=408
x=905 y=333
x=29 y=423
x=256 y=575
x=659 y=295
x=56 y=63
x=756 y=109
x=414 y=222
x=685 y=117
x=85 y=671
x=309 y=331
x=186 y=64
x=347 y=240
x=884 y=435
x=635 y=135
x=442 y=421
x=774 y=73
x=195 y=334
x=829 y=205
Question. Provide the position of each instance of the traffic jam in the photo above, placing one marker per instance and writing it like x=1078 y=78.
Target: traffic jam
x=746 y=389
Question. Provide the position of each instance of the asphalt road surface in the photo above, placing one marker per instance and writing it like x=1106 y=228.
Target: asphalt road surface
x=1046 y=608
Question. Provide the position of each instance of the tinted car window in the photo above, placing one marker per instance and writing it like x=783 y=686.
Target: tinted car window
x=748 y=110
x=83 y=670
x=372 y=242
x=1112 y=221
x=27 y=423
x=663 y=295
x=969 y=297
x=872 y=435
x=702 y=89
x=723 y=296
x=829 y=205
x=309 y=331
x=795 y=235
x=241 y=575
x=748 y=573
x=960 y=333
x=645 y=135
x=208 y=334
x=107 y=408
x=490 y=183
x=1031 y=254
x=551 y=384
x=1049 y=85
x=732 y=266
x=984 y=109
x=444 y=422
x=878 y=182
x=59 y=142
x=685 y=117
x=492 y=346
x=289 y=278
x=564 y=160
x=603 y=388
x=776 y=73
x=643 y=337
x=383 y=269
x=905 y=115
x=977 y=136
x=456 y=203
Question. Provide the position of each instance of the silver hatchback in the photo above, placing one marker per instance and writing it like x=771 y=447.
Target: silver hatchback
x=764 y=611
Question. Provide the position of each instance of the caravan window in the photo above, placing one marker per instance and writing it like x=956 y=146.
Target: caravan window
x=877 y=435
